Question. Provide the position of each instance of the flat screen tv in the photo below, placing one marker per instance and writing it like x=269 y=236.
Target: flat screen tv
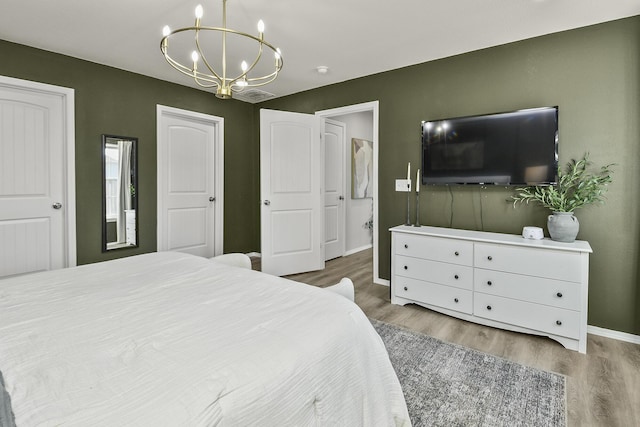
x=514 y=148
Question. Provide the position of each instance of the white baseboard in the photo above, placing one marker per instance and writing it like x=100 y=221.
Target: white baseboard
x=381 y=281
x=616 y=335
x=356 y=250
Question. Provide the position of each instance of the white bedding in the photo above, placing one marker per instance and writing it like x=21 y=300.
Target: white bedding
x=172 y=339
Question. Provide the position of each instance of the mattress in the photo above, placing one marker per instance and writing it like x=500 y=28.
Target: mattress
x=174 y=339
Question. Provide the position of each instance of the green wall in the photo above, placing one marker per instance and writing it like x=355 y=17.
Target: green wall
x=108 y=100
x=592 y=74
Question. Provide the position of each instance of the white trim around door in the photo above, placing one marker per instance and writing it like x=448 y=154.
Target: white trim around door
x=374 y=107
x=217 y=198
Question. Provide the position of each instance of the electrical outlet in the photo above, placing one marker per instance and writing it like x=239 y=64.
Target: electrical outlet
x=403 y=185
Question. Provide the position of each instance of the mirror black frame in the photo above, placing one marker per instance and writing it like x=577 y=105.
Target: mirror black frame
x=106 y=138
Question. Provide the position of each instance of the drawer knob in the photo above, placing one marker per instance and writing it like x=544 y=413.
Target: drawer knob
x=488 y=307
x=489 y=282
x=406 y=289
x=558 y=322
x=455 y=300
x=406 y=268
x=455 y=277
x=457 y=253
x=406 y=246
x=559 y=294
x=489 y=257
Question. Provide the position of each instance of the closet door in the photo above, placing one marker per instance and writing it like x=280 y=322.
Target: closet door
x=334 y=189
x=37 y=207
x=190 y=182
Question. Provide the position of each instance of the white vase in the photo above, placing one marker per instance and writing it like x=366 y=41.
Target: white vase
x=563 y=226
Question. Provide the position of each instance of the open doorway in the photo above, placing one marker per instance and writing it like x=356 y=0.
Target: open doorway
x=361 y=213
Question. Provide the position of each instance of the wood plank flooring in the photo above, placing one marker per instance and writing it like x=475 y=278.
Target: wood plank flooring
x=603 y=386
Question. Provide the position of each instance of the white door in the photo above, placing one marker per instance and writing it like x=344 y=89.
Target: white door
x=37 y=206
x=334 y=189
x=189 y=182
x=291 y=170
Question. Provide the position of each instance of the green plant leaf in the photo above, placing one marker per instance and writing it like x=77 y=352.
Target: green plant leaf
x=576 y=187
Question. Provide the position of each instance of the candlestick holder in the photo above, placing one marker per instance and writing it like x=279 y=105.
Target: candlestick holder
x=408 y=202
x=417 y=224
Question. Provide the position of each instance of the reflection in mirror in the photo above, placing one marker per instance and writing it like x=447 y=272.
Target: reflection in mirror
x=119 y=192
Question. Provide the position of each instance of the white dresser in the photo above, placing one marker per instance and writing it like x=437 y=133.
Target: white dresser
x=501 y=280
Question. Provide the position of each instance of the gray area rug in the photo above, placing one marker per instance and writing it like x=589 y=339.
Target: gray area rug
x=449 y=385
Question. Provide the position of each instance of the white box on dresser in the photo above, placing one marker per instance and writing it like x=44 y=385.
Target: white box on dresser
x=501 y=280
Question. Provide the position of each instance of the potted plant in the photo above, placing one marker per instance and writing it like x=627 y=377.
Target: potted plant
x=577 y=187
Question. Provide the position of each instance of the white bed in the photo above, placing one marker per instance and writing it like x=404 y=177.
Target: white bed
x=173 y=339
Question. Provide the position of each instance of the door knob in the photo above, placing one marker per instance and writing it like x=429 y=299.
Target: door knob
x=212 y=199
x=57 y=205
x=267 y=202
x=340 y=197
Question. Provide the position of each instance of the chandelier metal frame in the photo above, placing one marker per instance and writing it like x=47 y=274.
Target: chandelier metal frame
x=225 y=86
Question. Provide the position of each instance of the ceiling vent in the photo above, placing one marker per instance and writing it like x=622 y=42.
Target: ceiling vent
x=252 y=95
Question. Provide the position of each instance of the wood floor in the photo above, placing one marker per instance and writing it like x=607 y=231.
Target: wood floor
x=603 y=386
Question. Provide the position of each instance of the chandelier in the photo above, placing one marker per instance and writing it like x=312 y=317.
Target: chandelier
x=224 y=84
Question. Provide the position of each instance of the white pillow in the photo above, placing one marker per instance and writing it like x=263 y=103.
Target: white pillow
x=234 y=260
x=344 y=288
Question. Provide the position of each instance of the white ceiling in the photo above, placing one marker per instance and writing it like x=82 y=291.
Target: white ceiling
x=353 y=38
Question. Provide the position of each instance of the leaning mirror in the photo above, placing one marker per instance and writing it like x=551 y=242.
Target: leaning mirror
x=119 y=192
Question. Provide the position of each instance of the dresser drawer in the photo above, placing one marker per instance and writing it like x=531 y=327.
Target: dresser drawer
x=538 y=262
x=434 y=248
x=443 y=273
x=552 y=320
x=539 y=290
x=432 y=293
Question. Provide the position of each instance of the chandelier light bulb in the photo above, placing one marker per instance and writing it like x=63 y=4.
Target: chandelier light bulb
x=260 y=26
x=199 y=11
x=166 y=31
x=244 y=66
x=194 y=56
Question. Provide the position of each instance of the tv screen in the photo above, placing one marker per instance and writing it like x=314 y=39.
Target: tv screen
x=515 y=148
